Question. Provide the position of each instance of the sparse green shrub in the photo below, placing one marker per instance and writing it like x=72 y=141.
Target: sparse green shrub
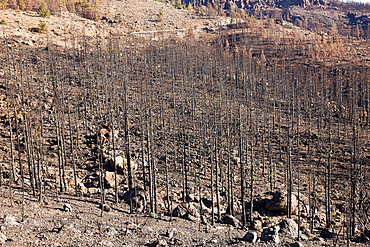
x=3 y=22
x=22 y=5
x=190 y=7
x=201 y=10
x=160 y=16
x=177 y=4
x=3 y=3
x=42 y=27
x=43 y=10
x=91 y=12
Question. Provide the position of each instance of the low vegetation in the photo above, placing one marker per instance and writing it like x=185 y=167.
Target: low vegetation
x=42 y=27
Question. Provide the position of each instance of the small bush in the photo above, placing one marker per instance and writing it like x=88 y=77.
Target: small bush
x=3 y=22
x=89 y=12
x=190 y=7
x=160 y=16
x=177 y=4
x=3 y=3
x=42 y=27
x=43 y=10
x=22 y=5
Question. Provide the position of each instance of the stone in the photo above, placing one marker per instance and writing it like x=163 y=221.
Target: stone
x=109 y=180
x=271 y=234
x=138 y=198
x=120 y=163
x=159 y=243
x=110 y=231
x=106 y=208
x=257 y=225
x=289 y=228
x=2 y=238
x=192 y=218
x=186 y=210
x=81 y=188
x=228 y=209
x=327 y=233
x=106 y=243
x=208 y=203
x=250 y=237
x=296 y=244
x=103 y=135
x=67 y=207
x=10 y=220
x=279 y=202
x=170 y=234
x=231 y=220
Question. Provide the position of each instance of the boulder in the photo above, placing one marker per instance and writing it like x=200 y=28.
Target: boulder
x=186 y=210
x=208 y=202
x=81 y=188
x=231 y=220
x=228 y=209
x=271 y=234
x=120 y=163
x=138 y=198
x=2 y=238
x=289 y=228
x=10 y=220
x=296 y=244
x=67 y=207
x=257 y=225
x=109 y=180
x=250 y=237
x=103 y=135
x=106 y=207
x=279 y=202
x=327 y=233
x=159 y=243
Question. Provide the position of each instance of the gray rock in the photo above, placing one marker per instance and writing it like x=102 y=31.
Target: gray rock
x=327 y=233
x=289 y=228
x=10 y=220
x=111 y=231
x=296 y=244
x=109 y=180
x=170 y=234
x=159 y=243
x=138 y=198
x=67 y=207
x=250 y=237
x=271 y=234
x=120 y=163
x=257 y=225
x=186 y=210
x=279 y=202
x=2 y=238
x=106 y=208
x=231 y=220
x=208 y=203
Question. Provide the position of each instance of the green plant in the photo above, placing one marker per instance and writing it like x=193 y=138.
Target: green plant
x=160 y=15
x=3 y=22
x=43 y=10
x=190 y=7
x=201 y=11
x=3 y=2
x=177 y=4
x=152 y=214
x=57 y=200
x=22 y=5
x=42 y=27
